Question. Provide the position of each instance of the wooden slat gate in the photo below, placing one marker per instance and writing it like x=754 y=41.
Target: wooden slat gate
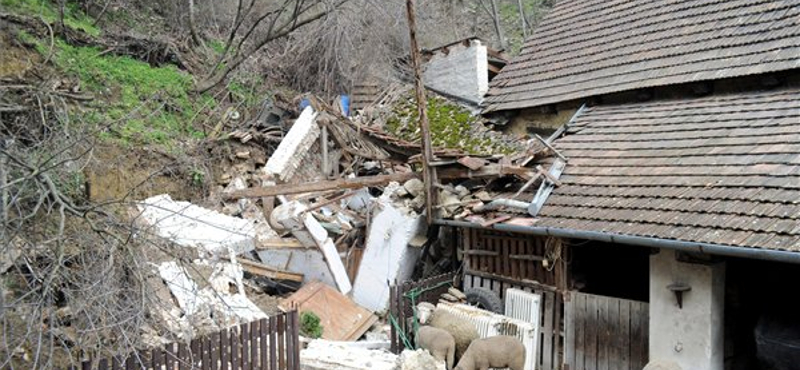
x=268 y=344
x=605 y=333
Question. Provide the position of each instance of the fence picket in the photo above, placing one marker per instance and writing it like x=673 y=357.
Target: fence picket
x=281 y=342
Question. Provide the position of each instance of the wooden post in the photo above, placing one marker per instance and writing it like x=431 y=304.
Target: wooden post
x=429 y=174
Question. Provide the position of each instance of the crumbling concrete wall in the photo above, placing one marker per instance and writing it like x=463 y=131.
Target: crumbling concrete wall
x=288 y=157
x=463 y=72
x=188 y=225
x=387 y=255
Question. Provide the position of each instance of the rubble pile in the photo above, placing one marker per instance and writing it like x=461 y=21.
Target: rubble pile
x=329 y=220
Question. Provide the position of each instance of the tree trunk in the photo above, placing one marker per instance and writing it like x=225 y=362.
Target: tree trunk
x=196 y=39
x=522 y=19
x=498 y=28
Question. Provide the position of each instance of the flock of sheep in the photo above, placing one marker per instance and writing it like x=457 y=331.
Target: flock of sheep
x=448 y=338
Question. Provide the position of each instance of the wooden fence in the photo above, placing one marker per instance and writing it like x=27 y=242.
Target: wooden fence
x=268 y=344
x=402 y=309
x=550 y=334
x=605 y=333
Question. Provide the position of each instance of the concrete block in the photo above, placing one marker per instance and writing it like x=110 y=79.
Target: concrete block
x=463 y=72
x=289 y=155
x=188 y=225
x=387 y=256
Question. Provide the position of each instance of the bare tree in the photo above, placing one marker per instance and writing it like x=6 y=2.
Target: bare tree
x=274 y=21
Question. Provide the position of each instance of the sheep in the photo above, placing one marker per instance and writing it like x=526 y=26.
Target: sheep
x=498 y=352
x=463 y=332
x=438 y=342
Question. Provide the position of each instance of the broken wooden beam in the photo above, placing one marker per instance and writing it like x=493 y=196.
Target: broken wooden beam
x=490 y=170
x=259 y=269
x=278 y=244
x=287 y=189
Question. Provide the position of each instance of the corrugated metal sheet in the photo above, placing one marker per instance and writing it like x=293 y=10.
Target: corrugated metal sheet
x=587 y=48
x=723 y=170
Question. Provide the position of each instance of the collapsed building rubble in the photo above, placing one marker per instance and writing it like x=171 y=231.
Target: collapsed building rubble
x=337 y=210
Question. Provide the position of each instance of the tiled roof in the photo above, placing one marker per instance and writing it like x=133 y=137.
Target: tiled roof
x=592 y=47
x=722 y=170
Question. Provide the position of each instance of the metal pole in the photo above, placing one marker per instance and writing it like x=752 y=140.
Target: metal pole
x=429 y=174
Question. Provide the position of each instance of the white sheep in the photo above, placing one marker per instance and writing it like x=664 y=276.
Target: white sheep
x=463 y=331
x=438 y=342
x=498 y=352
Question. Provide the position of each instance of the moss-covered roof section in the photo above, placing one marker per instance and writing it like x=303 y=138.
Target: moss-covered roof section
x=452 y=127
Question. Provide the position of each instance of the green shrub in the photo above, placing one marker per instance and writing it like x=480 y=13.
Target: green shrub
x=310 y=325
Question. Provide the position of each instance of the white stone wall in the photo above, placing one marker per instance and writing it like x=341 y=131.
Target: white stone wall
x=691 y=336
x=463 y=72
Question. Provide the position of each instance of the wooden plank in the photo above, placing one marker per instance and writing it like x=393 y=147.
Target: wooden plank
x=645 y=336
x=273 y=343
x=130 y=363
x=262 y=342
x=625 y=335
x=205 y=343
x=260 y=269
x=591 y=334
x=558 y=335
x=580 y=330
x=296 y=338
x=183 y=357
x=467 y=245
x=636 y=333
x=156 y=357
x=169 y=356
x=614 y=339
x=281 y=343
x=224 y=349
x=339 y=315
x=569 y=333
x=244 y=338
x=547 y=360
x=279 y=244
x=602 y=333
x=195 y=353
x=235 y=345
x=102 y=364
x=288 y=189
x=115 y=364
x=482 y=253
x=506 y=254
x=289 y=341
x=255 y=333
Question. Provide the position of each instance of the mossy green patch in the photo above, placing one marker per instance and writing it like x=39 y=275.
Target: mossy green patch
x=48 y=10
x=148 y=104
x=451 y=125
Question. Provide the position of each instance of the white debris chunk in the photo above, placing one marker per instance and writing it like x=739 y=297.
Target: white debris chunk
x=188 y=225
x=387 y=255
x=420 y=360
x=324 y=355
x=207 y=303
x=287 y=158
x=310 y=233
